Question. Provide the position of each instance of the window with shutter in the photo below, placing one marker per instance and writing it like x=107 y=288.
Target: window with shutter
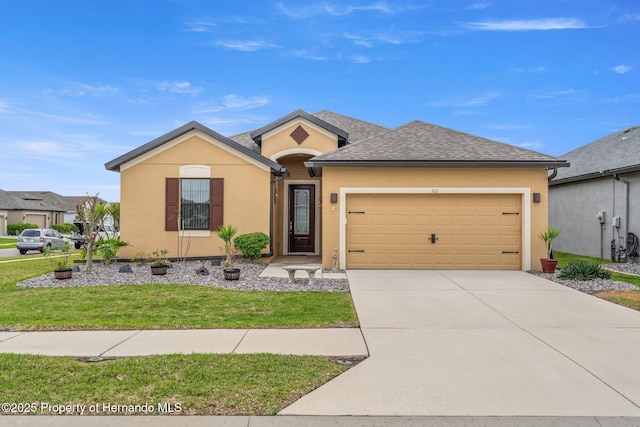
x=197 y=203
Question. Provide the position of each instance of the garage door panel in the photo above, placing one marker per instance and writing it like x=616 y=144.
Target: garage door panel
x=472 y=231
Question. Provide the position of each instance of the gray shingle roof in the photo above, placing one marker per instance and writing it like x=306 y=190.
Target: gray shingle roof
x=20 y=200
x=358 y=130
x=418 y=141
x=615 y=153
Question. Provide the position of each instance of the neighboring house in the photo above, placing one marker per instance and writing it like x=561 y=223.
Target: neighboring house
x=416 y=196
x=596 y=201
x=20 y=207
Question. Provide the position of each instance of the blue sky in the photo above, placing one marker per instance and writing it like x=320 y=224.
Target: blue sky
x=84 y=81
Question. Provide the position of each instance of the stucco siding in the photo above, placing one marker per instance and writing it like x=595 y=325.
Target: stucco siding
x=533 y=180
x=574 y=206
x=246 y=198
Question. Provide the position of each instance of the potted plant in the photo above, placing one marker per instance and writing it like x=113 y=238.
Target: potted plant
x=159 y=265
x=548 y=263
x=62 y=270
x=227 y=233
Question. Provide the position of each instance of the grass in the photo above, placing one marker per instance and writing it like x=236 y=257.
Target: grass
x=629 y=299
x=6 y=243
x=197 y=384
x=156 y=306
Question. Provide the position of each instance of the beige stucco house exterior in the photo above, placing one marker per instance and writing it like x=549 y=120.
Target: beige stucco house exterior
x=418 y=196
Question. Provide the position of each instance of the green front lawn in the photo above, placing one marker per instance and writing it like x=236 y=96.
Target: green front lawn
x=196 y=384
x=154 y=306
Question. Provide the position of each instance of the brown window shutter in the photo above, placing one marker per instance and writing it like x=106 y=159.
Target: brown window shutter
x=172 y=204
x=216 y=203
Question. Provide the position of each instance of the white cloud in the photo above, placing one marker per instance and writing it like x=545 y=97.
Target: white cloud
x=179 y=87
x=305 y=54
x=370 y=41
x=621 y=69
x=339 y=9
x=235 y=102
x=630 y=17
x=532 y=70
x=360 y=59
x=470 y=102
x=478 y=6
x=200 y=27
x=556 y=94
x=245 y=45
x=47 y=149
x=527 y=25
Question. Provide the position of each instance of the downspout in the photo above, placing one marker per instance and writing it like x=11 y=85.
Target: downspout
x=626 y=205
x=553 y=174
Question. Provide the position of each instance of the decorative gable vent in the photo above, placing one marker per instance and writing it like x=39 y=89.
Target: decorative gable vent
x=299 y=135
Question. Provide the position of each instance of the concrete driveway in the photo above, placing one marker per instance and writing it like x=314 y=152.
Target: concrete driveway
x=482 y=343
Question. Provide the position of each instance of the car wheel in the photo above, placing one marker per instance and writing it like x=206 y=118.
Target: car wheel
x=78 y=245
x=23 y=251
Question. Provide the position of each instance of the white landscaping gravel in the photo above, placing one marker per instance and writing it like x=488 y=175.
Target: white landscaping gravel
x=597 y=285
x=185 y=273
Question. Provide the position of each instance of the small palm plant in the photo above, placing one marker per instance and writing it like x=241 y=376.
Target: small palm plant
x=547 y=237
x=227 y=233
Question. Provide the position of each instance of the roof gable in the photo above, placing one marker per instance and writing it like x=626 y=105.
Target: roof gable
x=615 y=153
x=115 y=164
x=425 y=143
x=256 y=135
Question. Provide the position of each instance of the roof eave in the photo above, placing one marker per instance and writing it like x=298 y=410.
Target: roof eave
x=594 y=175
x=439 y=163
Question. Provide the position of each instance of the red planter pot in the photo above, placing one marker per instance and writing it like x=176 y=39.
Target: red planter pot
x=548 y=265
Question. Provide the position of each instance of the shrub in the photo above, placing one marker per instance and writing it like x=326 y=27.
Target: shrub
x=583 y=270
x=252 y=244
x=66 y=228
x=16 y=229
x=108 y=249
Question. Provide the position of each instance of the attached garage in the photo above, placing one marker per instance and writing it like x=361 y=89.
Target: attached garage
x=434 y=231
x=38 y=219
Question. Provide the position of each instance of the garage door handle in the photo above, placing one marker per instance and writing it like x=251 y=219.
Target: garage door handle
x=510 y=252
x=356 y=250
x=510 y=213
x=356 y=212
x=433 y=238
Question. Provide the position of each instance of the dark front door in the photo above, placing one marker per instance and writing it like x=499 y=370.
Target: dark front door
x=301 y=218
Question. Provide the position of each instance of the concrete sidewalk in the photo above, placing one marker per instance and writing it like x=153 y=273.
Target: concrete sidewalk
x=338 y=342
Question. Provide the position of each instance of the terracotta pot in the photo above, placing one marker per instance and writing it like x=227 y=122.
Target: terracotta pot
x=63 y=274
x=159 y=271
x=548 y=265
x=232 y=273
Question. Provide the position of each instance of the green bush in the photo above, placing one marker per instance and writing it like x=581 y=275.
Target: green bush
x=583 y=270
x=252 y=244
x=65 y=228
x=108 y=249
x=16 y=229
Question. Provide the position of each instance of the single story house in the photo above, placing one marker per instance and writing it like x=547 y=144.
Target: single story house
x=18 y=207
x=418 y=196
x=596 y=202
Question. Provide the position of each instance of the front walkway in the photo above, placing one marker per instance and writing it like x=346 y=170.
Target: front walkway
x=484 y=343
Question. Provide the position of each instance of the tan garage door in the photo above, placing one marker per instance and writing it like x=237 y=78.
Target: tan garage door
x=38 y=219
x=434 y=231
